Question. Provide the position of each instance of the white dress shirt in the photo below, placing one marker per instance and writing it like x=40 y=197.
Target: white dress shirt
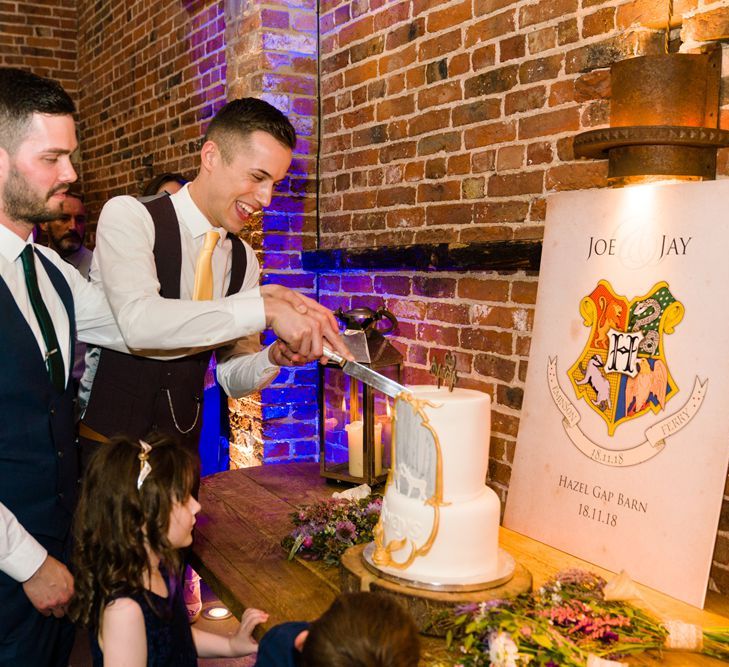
x=20 y=553
x=124 y=264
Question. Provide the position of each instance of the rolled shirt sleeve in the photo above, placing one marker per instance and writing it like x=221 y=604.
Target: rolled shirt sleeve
x=20 y=554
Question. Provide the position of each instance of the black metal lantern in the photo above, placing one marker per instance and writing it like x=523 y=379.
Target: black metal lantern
x=355 y=424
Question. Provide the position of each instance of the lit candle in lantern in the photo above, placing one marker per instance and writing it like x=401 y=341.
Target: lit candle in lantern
x=378 y=448
x=384 y=422
x=355 y=446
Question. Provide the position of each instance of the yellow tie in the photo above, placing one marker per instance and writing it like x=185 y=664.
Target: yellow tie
x=203 y=290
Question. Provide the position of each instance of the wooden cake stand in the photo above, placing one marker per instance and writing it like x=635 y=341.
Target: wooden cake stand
x=428 y=606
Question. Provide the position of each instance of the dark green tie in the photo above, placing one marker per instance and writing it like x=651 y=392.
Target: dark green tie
x=53 y=356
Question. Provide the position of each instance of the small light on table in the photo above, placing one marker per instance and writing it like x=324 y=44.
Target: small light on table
x=217 y=613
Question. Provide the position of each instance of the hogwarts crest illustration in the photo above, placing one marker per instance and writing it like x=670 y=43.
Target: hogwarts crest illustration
x=623 y=374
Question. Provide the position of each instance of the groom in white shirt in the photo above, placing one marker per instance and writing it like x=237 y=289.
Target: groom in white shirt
x=148 y=259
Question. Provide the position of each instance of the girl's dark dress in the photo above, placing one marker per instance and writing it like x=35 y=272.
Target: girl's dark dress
x=169 y=638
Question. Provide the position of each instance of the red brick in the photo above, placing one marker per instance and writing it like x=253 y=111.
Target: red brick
x=443 y=191
x=407 y=309
x=440 y=335
x=491 y=365
x=359 y=29
x=487 y=340
x=484 y=161
x=490 y=28
x=394 y=14
x=398 y=106
x=579 y=176
x=429 y=122
x=440 y=45
x=707 y=25
x=652 y=13
x=395 y=196
x=415 y=77
x=356 y=283
x=523 y=292
x=567 y=32
x=453 y=15
x=522 y=183
x=490 y=133
x=483 y=290
x=489 y=212
x=389 y=285
x=449 y=142
x=359 y=200
x=549 y=123
x=439 y=94
x=539 y=153
x=492 y=82
x=525 y=100
x=512 y=48
x=395 y=61
x=459 y=164
x=458 y=64
x=542 y=40
x=476 y=112
x=540 y=69
x=545 y=10
x=510 y=157
x=448 y=214
x=360 y=73
x=483 y=57
x=447 y=312
x=443 y=288
x=435 y=168
x=599 y=22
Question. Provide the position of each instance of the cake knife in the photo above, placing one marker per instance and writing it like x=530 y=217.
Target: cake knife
x=366 y=375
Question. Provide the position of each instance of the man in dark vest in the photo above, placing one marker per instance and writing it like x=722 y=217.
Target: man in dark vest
x=173 y=267
x=44 y=301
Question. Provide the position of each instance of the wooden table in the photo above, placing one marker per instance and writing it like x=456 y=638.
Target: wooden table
x=246 y=513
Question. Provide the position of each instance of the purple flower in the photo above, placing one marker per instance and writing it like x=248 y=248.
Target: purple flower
x=346 y=531
x=307 y=542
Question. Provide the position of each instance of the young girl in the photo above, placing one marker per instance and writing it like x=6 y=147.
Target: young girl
x=136 y=511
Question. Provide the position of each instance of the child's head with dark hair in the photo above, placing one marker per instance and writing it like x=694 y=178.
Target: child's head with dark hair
x=362 y=630
x=242 y=117
x=123 y=516
x=23 y=94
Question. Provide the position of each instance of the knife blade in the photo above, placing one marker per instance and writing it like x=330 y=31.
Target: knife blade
x=366 y=375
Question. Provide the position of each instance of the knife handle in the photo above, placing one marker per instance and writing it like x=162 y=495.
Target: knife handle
x=336 y=358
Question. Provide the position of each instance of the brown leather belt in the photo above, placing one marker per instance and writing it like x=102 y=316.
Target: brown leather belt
x=89 y=433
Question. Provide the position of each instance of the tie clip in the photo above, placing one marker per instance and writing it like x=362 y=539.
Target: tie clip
x=50 y=352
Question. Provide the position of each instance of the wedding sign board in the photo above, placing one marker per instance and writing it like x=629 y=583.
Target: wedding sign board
x=622 y=451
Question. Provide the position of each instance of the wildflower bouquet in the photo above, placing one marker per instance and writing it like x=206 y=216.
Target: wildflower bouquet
x=569 y=621
x=325 y=530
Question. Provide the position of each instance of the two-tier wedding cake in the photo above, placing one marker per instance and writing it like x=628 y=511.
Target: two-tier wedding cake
x=439 y=522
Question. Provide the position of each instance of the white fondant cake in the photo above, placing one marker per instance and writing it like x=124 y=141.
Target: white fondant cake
x=440 y=522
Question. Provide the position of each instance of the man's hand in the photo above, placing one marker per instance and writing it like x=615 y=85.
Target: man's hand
x=280 y=355
x=302 y=324
x=50 y=588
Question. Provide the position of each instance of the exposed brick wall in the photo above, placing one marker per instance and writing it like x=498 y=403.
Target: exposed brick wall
x=451 y=121
x=150 y=76
x=272 y=54
x=40 y=35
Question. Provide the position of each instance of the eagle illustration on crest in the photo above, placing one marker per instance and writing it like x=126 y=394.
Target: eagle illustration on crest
x=622 y=372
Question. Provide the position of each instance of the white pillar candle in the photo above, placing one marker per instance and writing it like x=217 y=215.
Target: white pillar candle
x=354 y=442
x=378 y=448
